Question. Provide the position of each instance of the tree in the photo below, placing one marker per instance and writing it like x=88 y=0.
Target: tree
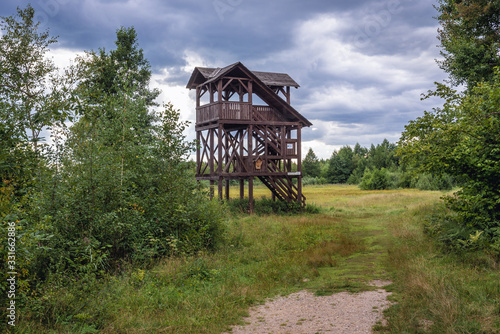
x=30 y=92
x=462 y=139
x=311 y=165
x=126 y=65
x=341 y=165
x=470 y=39
x=382 y=156
x=33 y=96
x=126 y=189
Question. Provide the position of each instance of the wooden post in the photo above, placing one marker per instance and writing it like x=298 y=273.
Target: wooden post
x=242 y=188
x=212 y=182
x=219 y=160
x=198 y=153
x=226 y=160
x=250 y=193
x=250 y=149
x=289 y=160
x=250 y=167
x=219 y=91
x=250 y=92
x=241 y=141
x=299 y=165
x=220 y=187
x=211 y=133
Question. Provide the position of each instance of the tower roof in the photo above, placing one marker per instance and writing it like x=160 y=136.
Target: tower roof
x=203 y=74
x=263 y=84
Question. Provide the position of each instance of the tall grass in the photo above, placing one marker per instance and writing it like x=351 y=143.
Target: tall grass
x=358 y=236
x=439 y=292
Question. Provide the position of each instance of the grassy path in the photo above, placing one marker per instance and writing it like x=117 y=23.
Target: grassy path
x=368 y=220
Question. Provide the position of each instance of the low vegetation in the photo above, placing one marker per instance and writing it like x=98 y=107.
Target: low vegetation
x=356 y=237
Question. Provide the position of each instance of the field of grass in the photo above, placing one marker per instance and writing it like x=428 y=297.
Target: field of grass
x=358 y=236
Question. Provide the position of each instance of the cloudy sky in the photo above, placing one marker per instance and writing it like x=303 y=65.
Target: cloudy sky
x=361 y=64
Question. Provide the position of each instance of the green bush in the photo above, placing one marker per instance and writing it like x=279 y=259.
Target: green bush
x=118 y=193
x=434 y=182
x=377 y=179
x=310 y=180
x=466 y=224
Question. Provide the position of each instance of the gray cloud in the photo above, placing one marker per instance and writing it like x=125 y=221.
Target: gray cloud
x=361 y=64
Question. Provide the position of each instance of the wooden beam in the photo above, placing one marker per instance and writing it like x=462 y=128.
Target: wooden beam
x=211 y=133
x=219 y=91
x=220 y=187
x=198 y=96
x=198 y=153
x=299 y=165
x=250 y=193
x=219 y=159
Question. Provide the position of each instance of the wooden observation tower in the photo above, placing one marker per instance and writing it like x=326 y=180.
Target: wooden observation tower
x=246 y=128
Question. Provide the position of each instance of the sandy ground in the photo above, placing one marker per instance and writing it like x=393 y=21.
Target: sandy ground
x=302 y=312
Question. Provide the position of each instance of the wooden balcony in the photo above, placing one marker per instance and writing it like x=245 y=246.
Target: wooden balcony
x=223 y=111
x=234 y=111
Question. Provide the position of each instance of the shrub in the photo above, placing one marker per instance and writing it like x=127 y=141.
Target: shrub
x=310 y=180
x=119 y=192
x=377 y=179
x=434 y=182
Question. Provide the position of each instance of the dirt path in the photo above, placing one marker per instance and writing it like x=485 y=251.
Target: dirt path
x=342 y=312
x=302 y=312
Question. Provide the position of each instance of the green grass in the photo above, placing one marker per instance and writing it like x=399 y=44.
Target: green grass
x=358 y=236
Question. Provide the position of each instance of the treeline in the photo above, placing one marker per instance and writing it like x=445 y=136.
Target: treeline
x=374 y=168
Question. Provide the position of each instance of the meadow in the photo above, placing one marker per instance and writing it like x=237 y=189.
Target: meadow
x=357 y=236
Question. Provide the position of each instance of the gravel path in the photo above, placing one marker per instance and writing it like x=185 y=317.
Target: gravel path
x=302 y=312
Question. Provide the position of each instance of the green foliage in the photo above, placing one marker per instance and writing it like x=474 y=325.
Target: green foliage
x=382 y=156
x=348 y=165
x=433 y=182
x=469 y=37
x=32 y=95
x=308 y=180
x=377 y=179
x=126 y=192
x=340 y=165
x=461 y=139
x=311 y=165
x=112 y=72
x=115 y=188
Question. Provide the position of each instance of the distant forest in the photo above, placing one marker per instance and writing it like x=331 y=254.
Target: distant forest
x=377 y=167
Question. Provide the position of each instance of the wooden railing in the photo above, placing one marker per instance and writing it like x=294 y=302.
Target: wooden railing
x=207 y=113
x=235 y=110
x=265 y=113
x=223 y=111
